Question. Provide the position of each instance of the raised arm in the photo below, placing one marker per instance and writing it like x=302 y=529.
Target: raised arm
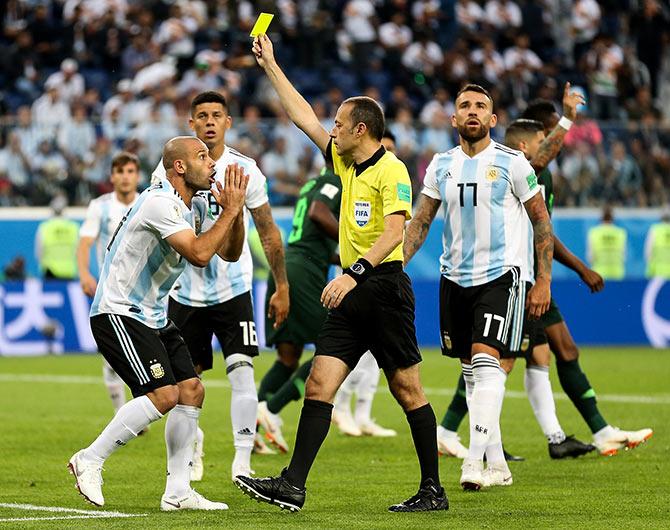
x=231 y=250
x=553 y=143
x=418 y=227
x=299 y=111
x=539 y=296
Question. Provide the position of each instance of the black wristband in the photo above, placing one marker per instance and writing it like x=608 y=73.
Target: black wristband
x=360 y=270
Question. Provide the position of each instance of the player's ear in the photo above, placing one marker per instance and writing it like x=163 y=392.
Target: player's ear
x=494 y=120
x=229 y=122
x=191 y=124
x=453 y=121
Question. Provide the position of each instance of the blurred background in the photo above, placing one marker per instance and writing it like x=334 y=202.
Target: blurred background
x=82 y=79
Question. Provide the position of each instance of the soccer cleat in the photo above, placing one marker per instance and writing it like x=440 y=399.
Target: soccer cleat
x=197 y=466
x=616 y=440
x=451 y=446
x=273 y=490
x=88 y=476
x=260 y=447
x=429 y=498
x=271 y=423
x=570 y=447
x=374 y=429
x=497 y=475
x=192 y=501
x=472 y=474
x=512 y=458
x=345 y=422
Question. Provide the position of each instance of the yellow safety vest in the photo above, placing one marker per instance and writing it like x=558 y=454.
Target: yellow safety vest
x=59 y=247
x=608 y=251
x=659 y=258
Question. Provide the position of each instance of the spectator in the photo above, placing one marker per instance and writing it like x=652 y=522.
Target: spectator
x=441 y=103
x=522 y=59
x=283 y=171
x=503 y=14
x=28 y=134
x=15 y=164
x=423 y=55
x=602 y=63
x=176 y=33
x=395 y=36
x=469 y=15
x=406 y=139
x=606 y=247
x=657 y=248
x=76 y=137
x=490 y=61
x=138 y=55
x=50 y=111
x=627 y=176
x=359 y=28
x=56 y=244
x=584 y=23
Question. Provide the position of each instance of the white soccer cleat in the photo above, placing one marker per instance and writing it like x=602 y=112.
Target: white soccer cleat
x=615 y=440
x=89 y=478
x=345 y=422
x=192 y=501
x=260 y=447
x=451 y=446
x=371 y=428
x=497 y=475
x=472 y=472
x=271 y=424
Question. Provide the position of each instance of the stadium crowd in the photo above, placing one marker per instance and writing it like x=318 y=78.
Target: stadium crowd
x=82 y=79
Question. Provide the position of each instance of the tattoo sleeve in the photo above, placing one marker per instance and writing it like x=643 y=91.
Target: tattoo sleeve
x=271 y=241
x=418 y=227
x=549 y=149
x=542 y=234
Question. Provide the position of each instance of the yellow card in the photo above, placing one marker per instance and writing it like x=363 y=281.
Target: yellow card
x=262 y=24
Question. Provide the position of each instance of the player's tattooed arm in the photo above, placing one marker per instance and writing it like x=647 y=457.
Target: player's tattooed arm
x=539 y=295
x=418 y=227
x=274 y=252
x=549 y=149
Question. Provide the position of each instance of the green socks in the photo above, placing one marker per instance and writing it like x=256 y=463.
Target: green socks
x=577 y=387
x=276 y=376
x=458 y=408
x=291 y=390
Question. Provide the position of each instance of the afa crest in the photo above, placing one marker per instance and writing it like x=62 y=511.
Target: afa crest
x=525 y=343
x=446 y=340
x=157 y=370
x=492 y=173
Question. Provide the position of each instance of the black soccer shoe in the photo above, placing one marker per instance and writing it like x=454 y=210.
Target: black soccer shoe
x=509 y=457
x=428 y=498
x=570 y=447
x=273 y=490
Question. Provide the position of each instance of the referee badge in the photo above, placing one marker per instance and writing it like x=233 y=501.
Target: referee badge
x=362 y=212
x=157 y=370
x=491 y=173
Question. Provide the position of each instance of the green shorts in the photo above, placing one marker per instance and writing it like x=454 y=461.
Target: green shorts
x=306 y=314
x=552 y=316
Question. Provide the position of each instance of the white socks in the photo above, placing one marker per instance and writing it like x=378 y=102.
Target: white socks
x=367 y=386
x=131 y=419
x=199 y=446
x=243 y=405
x=115 y=386
x=485 y=405
x=538 y=388
x=180 y=434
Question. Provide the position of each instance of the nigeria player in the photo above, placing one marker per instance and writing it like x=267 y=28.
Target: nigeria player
x=374 y=293
x=216 y=299
x=485 y=267
x=608 y=440
x=145 y=256
x=102 y=217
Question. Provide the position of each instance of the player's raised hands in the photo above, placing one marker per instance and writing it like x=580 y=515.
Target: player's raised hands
x=570 y=102
x=231 y=196
x=263 y=50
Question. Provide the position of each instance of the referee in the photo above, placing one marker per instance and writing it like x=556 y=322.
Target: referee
x=371 y=306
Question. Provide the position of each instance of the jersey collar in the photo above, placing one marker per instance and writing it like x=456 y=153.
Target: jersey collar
x=359 y=168
x=481 y=153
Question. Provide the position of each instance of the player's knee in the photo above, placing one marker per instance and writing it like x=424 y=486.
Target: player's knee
x=165 y=398
x=407 y=391
x=507 y=365
x=191 y=392
x=289 y=357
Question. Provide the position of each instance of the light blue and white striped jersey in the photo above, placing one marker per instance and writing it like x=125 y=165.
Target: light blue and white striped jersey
x=485 y=223
x=102 y=217
x=140 y=267
x=221 y=280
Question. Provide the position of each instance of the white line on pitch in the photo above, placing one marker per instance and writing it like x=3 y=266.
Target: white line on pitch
x=660 y=399
x=81 y=514
x=64 y=517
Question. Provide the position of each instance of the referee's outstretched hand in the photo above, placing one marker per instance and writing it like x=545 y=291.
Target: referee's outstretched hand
x=336 y=290
x=263 y=50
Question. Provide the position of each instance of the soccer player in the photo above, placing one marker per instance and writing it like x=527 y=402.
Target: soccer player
x=373 y=293
x=310 y=250
x=145 y=256
x=216 y=299
x=102 y=217
x=608 y=440
x=485 y=266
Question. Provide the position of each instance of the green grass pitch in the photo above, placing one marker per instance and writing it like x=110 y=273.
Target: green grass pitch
x=51 y=407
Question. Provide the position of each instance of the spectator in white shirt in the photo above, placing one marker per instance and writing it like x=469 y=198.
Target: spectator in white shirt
x=423 y=55
x=359 y=27
x=49 y=111
x=503 y=14
x=70 y=83
x=441 y=103
x=469 y=15
x=29 y=135
x=76 y=137
x=584 y=24
x=522 y=59
x=14 y=163
x=395 y=36
x=176 y=33
x=491 y=62
x=283 y=172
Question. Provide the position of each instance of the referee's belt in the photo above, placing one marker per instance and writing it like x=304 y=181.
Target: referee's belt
x=388 y=267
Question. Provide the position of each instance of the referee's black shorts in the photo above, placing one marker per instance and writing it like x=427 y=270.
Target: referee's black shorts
x=377 y=315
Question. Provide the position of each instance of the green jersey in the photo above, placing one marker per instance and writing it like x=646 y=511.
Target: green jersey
x=546 y=182
x=306 y=238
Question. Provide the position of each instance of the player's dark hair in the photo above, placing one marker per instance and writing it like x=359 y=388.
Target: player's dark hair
x=208 y=97
x=123 y=158
x=521 y=129
x=539 y=109
x=366 y=110
x=388 y=134
x=472 y=87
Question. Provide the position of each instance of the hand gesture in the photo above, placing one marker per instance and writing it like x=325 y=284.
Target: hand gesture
x=538 y=299
x=593 y=280
x=231 y=196
x=263 y=50
x=570 y=102
x=336 y=290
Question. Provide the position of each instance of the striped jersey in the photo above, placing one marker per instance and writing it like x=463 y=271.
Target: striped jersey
x=485 y=223
x=140 y=267
x=220 y=280
x=102 y=217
